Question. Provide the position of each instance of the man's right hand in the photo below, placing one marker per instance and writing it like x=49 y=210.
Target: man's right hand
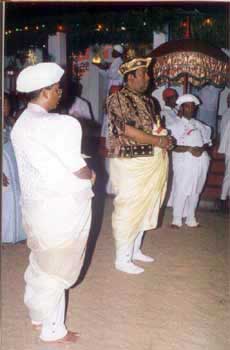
x=84 y=173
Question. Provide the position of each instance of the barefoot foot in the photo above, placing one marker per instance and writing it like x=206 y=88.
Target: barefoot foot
x=69 y=338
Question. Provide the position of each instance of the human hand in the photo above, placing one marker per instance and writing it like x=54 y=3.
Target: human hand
x=196 y=151
x=84 y=173
x=166 y=142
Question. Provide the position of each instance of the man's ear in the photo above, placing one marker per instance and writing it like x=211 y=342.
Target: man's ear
x=45 y=94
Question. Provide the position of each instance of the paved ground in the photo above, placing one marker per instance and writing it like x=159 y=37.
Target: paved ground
x=180 y=302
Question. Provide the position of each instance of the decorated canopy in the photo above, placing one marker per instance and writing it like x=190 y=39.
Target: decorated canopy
x=190 y=61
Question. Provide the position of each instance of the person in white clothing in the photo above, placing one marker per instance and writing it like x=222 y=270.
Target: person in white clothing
x=224 y=148
x=12 y=230
x=169 y=116
x=225 y=117
x=207 y=111
x=80 y=108
x=169 y=111
x=115 y=82
x=56 y=199
x=190 y=161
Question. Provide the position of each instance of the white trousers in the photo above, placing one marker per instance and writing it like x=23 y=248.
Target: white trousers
x=184 y=206
x=53 y=327
x=225 y=192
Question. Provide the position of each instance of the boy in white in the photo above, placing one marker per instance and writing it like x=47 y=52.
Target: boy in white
x=190 y=161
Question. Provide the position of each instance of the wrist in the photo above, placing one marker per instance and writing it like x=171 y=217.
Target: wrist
x=160 y=141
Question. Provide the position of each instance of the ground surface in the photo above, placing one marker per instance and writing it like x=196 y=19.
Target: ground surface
x=180 y=302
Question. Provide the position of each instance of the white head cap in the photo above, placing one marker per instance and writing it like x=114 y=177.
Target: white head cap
x=187 y=98
x=118 y=48
x=38 y=76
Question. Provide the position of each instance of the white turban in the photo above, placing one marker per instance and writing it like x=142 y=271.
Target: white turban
x=187 y=98
x=118 y=48
x=38 y=76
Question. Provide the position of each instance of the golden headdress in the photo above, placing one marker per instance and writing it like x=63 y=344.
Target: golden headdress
x=133 y=62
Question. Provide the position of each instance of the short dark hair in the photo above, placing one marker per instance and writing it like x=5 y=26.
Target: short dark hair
x=133 y=72
x=34 y=94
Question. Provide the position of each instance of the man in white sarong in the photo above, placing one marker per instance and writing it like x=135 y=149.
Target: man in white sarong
x=225 y=149
x=190 y=161
x=56 y=199
x=138 y=164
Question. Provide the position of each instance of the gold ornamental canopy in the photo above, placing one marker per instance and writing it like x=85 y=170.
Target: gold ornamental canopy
x=193 y=60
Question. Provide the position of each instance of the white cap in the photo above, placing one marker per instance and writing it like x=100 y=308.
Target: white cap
x=38 y=76
x=118 y=48
x=187 y=98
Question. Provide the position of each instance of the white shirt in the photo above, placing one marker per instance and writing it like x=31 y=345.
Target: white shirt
x=48 y=150
x=170 y=115
x=223 y=100
x=225 y=140
x=191 y=132
x=115 y=78
x=224 y=121
x=80 y=109
x=209 y=96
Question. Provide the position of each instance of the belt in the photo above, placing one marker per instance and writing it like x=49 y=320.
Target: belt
x=132 y=151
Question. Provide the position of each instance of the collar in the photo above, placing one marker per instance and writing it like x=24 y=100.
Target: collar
x=135 y=92
x=36 y=108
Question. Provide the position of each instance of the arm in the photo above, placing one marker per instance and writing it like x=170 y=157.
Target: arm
x=195 y=151
x=165 y=142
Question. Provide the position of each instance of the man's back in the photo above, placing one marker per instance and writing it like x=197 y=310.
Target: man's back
x=47 y=148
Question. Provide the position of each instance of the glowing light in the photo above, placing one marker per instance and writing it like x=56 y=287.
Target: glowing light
x=208 y=22
x=99 y=27
x=37 y=27
x=60 y=28
x=26 y=28
x=96 y=59
x=123 y=28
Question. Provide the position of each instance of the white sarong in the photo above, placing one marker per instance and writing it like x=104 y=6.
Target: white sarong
x=140 y=186
x=57 y=232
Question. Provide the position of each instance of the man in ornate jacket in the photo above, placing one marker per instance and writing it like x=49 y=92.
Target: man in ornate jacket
x=137 y=147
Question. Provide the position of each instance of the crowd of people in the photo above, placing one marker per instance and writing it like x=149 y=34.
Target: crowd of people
x=56 y=184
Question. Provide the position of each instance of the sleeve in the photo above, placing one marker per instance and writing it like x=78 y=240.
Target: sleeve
x=116 y=122
x=68 y=144
x=206 y=132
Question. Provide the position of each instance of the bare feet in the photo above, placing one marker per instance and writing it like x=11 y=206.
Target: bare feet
x=36 y=327
x=69 y=338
